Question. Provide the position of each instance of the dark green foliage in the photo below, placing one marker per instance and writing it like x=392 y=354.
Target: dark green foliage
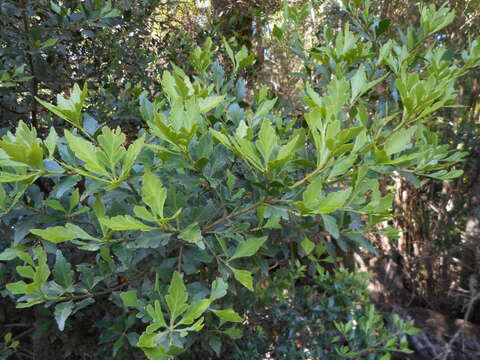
x=331 y=318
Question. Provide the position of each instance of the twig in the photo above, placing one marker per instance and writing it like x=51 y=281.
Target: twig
x=233 y=215
x=448 y=347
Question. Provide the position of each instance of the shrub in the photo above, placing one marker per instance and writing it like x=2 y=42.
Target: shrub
x=168 y=240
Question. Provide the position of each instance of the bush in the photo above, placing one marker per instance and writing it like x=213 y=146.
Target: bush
x=165 y=244
x=330 y=318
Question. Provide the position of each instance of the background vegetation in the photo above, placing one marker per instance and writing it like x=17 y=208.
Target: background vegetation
x=269 y=269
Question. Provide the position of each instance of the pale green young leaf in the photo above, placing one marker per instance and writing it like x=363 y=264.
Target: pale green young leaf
x=125 y=223
x=313 y=192
x=342 y=166
x=230 y=180
x=169 y=86
x=3 y=197
x=153 y=192
x=26 y=271
x=358 y=83
x=85 y=151
x=100 y=211
x=248 y=152
x=332 y=202
x=209 y=103
x=244 y=277
x=74 y=199
x=230 y=53
x=219 y=289
x=307 y=245
x=193 y=234
x=264 y=108
x=267 y=140
x=142 y=213
x=6 y=177
x=59 y=234
x=399 y=141
x=194 y=311
x=295 y=143
x=29 y=154
x=177 y=296
x=223 y=139
x=111 y=141
x=227 y=315
x=17 y=288
x=51 y=141
x=131 y=156
x=249 y=247
x=63 y=114
x=156 y=313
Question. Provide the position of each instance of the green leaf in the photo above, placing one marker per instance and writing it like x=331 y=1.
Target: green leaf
x=131 y=156
x=312 y=193
x=157 y=353
x=125 y=223
x=193 y=234
x=399 y=141
x=195 y=311
x=62 y=312
x=6 y=177
x=332 y=202
x=50 y=42
x=307 y=245
x=26 y=271
x=156 y=313
x=17 y=288
x=129 y=298
x=30 y=154
x=219 y=289
x=148 y=340
x=142 y=213
x=62 y=272
x=359 y=82
x=177 y=296
x=331 y=225
x=248 y=247
x=267 y=140
x=205 y=105
x=234 y=333
x=9 y=254
x=264 y=108
x=228 y=315
x=59 y=234
x=51 y=141
x=69 y=109
x=74 y=199
x=230 y=180
x=277 y=32
x=244 y=277
x=112 y=144
x=85 y=151
x=154 y=194
x=55 y=204
x=100 y=211
x=342 y=166
x=3 y=198
x=229 y=52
